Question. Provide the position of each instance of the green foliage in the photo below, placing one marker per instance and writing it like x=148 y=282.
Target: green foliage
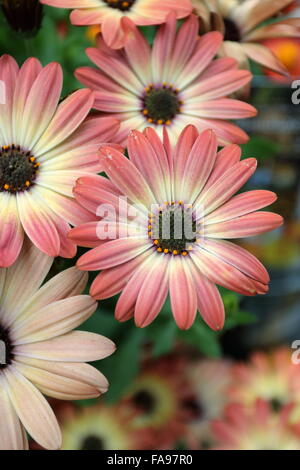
x=261 y=148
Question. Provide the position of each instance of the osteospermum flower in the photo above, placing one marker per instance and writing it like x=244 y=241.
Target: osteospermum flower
x=110 y=14
x=257 y=428
x=175 y=83
x=99 y=427
x=169 y=233
x=241 y=24
x=44 y=148
x=211 y=381
x=272 y=377
x=161 y=398
x=40 y=353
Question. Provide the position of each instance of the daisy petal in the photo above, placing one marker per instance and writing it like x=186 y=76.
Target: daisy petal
x=153 y=292
x=10 y=426
x=182 y=293
x=33 y=410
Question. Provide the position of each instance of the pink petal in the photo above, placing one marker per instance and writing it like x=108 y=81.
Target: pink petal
x=162 y=49
x=222 y=109
x=222 y=85
x=113 y=32
x=69 y=115
x=126 y=177
x=111 y=281
x=153 y=292
x=11 y=231
x=184 y=45
x=113 y=253
x=26 y=77
x=198 y=166
x=226 y=158
x=85 y=235
x=116 y=68
x=184 y=145
x=41 y=104
x=245 y=226
x=143 y=156
x=222 y=190
x=222 y=273
x=241 y=204
x=8 y=74
x=206 y=49
x=210 y=304
x=223 y=64
x=37 y=224
x=127 y=300
x=265 y=57
x=239 y=258
x=182 y=293
x=137 y=51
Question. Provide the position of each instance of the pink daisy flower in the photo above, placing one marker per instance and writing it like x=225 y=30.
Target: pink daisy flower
x=44 y=148
x=255 y=428
x=110 y=14
x=174 y=84
x=191 y=186
x=40 y=354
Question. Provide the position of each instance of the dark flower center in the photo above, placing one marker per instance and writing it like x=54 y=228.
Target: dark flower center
x=160 y=105
x=144 y=401
x=122 y=5
x=194 y=408
x=232 y=31
x=276 y=404
x=23 y=15
x=18 y=169
x=92 y=443
x=6 y=348
x=173 y=229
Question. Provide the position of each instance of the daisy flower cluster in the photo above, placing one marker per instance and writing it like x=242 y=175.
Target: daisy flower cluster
x=140 y=166
x=196 y=404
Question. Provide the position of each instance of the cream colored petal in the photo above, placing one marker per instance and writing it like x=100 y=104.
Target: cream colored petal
x=12 y=436
x=57 y=385
x=67 y=283
x=54 y=320
x=77 y=346
x=22 y=280
x=234 y=49
x=33 y=410
x=83 y=373
x=252 y=12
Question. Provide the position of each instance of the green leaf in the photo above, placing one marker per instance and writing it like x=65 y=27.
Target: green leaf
x=261 y=148
x=203 y=338
x=162 y=335
x=123 y=366
x=239 y=318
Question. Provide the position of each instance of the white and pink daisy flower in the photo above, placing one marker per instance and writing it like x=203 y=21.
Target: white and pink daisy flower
x=255 y=428
x=44 y=147
x=246 y=25
x=172 y=84
x=110 y=14
x=191 y=185
x=39 y=352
